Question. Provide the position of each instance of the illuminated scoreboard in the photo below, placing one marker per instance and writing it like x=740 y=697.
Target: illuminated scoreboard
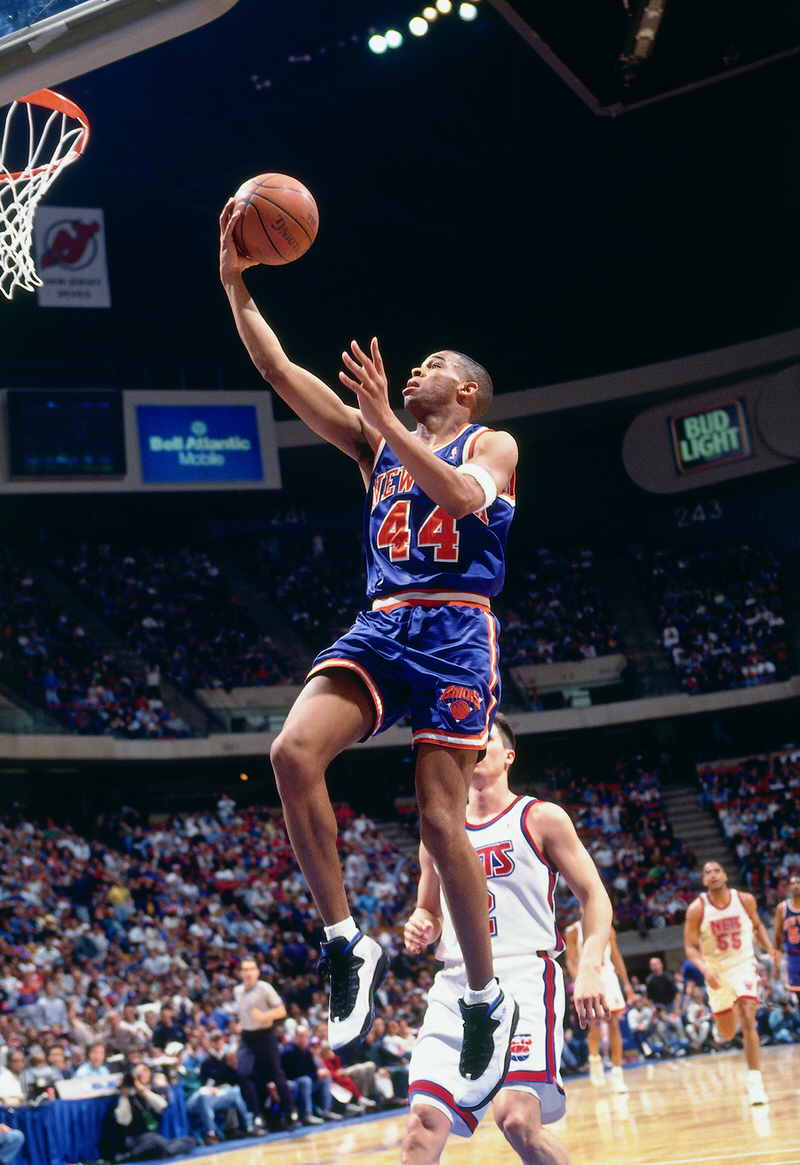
x=711 y=436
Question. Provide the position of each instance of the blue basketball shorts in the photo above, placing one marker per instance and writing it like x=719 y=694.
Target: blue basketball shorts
x=434 y=659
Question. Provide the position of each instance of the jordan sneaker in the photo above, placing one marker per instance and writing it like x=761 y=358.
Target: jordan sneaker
x=356 y=968
x=486 y=1050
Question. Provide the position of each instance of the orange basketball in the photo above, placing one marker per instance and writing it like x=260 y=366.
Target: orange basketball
x=279 y=219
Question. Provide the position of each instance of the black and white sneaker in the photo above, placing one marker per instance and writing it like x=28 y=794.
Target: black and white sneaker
x=356 y=968
x=486 y=1050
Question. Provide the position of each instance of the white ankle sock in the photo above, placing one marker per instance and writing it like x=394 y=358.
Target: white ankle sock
x=485 y=996
x=346 y=929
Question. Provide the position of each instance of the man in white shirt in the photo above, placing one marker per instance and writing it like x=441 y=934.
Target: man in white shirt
x=12 y=1091
x=258 y=1059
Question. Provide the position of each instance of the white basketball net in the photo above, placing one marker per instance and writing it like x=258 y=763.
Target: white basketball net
x=43 y=127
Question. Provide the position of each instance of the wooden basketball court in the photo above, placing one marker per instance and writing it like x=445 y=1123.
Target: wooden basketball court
x=690 y=1111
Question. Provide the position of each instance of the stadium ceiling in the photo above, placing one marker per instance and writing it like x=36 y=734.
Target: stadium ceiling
x=620 y=54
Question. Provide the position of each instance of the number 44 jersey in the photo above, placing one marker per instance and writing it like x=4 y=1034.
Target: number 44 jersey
x=414 y=545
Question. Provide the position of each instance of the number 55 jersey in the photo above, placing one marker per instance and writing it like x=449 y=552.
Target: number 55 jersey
x=726 y=940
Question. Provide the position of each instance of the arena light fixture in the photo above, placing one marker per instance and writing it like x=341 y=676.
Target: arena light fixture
x=418 y=25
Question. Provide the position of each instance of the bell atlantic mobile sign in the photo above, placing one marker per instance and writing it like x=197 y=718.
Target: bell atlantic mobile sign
x=101 y=440
x=194 y=443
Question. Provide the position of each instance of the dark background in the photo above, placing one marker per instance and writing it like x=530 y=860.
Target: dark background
x=467 y=198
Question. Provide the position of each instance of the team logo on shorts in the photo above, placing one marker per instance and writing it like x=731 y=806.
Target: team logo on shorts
x=460 y=702
x=521 y=1047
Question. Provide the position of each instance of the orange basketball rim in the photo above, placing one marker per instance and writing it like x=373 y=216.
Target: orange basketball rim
x=47 y=131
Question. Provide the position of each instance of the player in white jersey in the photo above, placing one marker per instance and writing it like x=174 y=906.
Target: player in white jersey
x=718 y=936
x=615 y=980
x=524 y=844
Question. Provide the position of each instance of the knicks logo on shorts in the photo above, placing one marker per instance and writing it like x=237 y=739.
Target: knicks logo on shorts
x=521 y=1047
x=460 y=702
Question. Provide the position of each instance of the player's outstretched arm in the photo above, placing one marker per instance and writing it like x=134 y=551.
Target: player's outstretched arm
x=571 y=950
x=310 y=398
x=691 y=942
x=425 y=923
x=555 y=834
x=777 y=938
x=761 y=933
x=619 y=966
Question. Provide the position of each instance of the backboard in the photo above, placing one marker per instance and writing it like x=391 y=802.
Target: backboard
x=45 y=42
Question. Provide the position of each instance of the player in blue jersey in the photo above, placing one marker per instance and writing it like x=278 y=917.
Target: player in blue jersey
x=787 y=935
x=439 y=502
x=524 y=844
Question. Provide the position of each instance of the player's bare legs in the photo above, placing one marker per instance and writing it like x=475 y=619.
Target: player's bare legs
x=427 y=1130
x=519 y=1118
x=442 y=779
x=596 y=1070
x=727 y=1024
x=332 y=712
x=490 y=1016
x=744 y=1012
x=746 y=1009
x=517 y=1115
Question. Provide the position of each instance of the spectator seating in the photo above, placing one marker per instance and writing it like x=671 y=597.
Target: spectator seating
x=719 y=613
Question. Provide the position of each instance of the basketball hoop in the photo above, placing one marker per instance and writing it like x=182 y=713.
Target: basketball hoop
x=41 y=125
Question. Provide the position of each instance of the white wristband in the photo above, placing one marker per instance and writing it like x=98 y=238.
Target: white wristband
x=484 y=480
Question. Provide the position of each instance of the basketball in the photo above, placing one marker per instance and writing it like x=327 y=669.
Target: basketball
x=279 y=219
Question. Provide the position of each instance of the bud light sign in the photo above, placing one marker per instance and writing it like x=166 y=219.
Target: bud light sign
x=710 y=436
x=199 y=443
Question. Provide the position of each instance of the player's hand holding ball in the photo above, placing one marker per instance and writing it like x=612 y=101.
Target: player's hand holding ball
x=272 y=219
x=230 y=261
x=278 y=220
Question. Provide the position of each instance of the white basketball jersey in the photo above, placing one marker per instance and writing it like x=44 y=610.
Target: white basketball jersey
x=521 y=886
x=726 y=933
x=608 y=973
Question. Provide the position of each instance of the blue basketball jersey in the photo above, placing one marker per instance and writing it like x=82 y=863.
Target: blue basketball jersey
x=791 y=929
x=412 y=544
x=791 y=946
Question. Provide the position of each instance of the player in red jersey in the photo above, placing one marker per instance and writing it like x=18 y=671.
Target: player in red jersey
x=719 y=931
x=428 y=647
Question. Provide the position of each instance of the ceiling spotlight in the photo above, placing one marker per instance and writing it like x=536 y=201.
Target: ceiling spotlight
x=417 y=26
x=444 y=6
x=430 y=13
x=377 y=43
x=394 y=39
x=468 y=11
